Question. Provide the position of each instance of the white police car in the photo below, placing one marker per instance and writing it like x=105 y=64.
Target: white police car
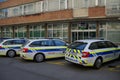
x=41 y=49
x=11 y=47
x=92 y=52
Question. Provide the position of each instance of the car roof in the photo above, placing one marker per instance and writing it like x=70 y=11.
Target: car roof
x=13 y=39
x=42 y=39
x=89 y=40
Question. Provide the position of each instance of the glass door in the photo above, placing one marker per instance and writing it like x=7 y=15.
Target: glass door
x=82 y=31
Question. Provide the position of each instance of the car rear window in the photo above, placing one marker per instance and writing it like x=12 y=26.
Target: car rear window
x=78 y=45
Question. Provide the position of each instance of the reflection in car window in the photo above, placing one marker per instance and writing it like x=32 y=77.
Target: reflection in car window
x=41 y=43
x=13 y=42
x=19 y=41
x=59 y=43
x=78 y=45
x=101 y=45
x=110 y=44
x=10 y=42
x=35 y=44
x=93 y=46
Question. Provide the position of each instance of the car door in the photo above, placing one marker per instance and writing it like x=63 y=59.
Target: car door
x=50 y=49
x=104 y=51
x=114 y=48
x=10 y=44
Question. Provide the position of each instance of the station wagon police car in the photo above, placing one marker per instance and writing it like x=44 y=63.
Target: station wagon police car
x=91 y=52
x=42 y=49
x=11 y=47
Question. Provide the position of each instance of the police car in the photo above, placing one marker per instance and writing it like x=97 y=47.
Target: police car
x=11 y=47
x=92 y=52
x=42 y=49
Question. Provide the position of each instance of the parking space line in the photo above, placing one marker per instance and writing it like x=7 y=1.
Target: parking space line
x=57 y=63
x=116 y=69
x=113 y=69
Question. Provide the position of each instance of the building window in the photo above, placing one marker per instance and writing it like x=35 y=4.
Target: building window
x=113 y=7
x=113 y=31
x=101 y=2
x=53 y=5
x=110 y=31
x=15 y=11
x=29 y=8
x=7 y=32
x=81 y=4
x=85 y=4
x=39 y=7
x=58 y=31
x=77 y=3
x=63 y=4
x=92 y=3
x=70 y=4
x=3 y=0
x=3 y=13
x=20 y=32
x=37 y=31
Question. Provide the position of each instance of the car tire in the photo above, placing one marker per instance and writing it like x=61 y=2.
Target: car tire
x=11 y=53
x=39 y=58
x=119 y=57
x=98 y=63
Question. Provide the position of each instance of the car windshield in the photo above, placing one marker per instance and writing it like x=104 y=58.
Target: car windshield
x=27 y=41
x=78 y=45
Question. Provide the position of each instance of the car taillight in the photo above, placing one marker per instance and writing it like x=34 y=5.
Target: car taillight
x=85 y=54
x=25 y=49
x=0 y=46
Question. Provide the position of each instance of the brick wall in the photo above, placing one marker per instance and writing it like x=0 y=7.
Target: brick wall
x=48 y=16
x=10 y=3
x=96 y=12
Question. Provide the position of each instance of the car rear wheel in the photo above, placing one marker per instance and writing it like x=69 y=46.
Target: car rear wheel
x=39 y=58
x=11 y=53
x=98 y=63
x=119 y=57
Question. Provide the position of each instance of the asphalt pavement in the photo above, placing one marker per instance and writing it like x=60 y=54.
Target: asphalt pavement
x=55 y=69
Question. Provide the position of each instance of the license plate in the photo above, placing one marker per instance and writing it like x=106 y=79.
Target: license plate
x=72 y=60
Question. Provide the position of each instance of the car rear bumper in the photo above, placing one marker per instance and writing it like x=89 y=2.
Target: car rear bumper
x=81 y=61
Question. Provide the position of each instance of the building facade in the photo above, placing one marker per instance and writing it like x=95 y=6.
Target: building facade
x=69 y=20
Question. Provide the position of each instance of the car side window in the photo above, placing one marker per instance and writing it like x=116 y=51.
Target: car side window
x=101 y=45
x=10 y=42
x=46 y=43
x=110 y=44
x=93 y=46
x=19 y=41
x=35 y=44
x=59 y=43
x=41 y=43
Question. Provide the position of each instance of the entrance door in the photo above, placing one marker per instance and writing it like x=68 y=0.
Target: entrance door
x=79 y=35
x=83 y=30
x=74 y=36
